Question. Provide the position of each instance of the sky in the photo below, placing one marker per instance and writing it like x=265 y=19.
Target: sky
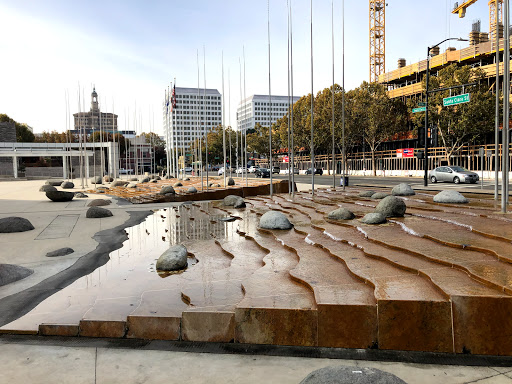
x=131 y=51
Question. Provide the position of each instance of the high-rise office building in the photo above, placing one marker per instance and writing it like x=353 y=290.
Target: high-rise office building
x=256 y=109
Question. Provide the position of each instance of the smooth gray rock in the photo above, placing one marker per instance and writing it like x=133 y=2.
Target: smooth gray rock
x=119 y=183
x=391 y=206
x=227 y=219
x=60 y=252
x=47 y=187
x=10 y=273
x=108 y=179
x=231 y=182
x=131 y=185
x=96 y=180
x=60 y=196
x=153 y=181
x=351 y=375
x=379 y=195
x=192 y=190
x=341 y=214
x=403 y=189
x=15 y=224
x=178 y=184
x=145 y=180
x=80 y=195
x=275 y=220
x=174 y=259
x=134 y=179
x=234 y=201
x=67 y=185
x=373 y=218
x=187 y=179
x=157 y=178
x=167 y=189
x=367 y=194
x=450 y=197
x=97 y=213
x=54 y=183
x=99 y=203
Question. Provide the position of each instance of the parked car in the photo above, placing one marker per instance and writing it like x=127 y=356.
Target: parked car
x=253 y=168
x=295 y=171
x=318 y=171
x=216 y=167
x=186 y=169
x=123 y=171
x=262 y=172
x=276 y=170
x=453 y=174
x=221 y=171
x=240 y=170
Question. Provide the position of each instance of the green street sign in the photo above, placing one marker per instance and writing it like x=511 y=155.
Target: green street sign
x=422 y=104
x=421 y=109
x=454 y=100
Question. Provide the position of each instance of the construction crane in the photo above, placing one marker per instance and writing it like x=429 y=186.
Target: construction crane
x=495 y=11
x=377 y=39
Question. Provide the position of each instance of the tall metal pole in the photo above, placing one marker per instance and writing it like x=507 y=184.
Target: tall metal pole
x=425 y=157
x=199 y=125
x=269 y=99
x=229 y=124
x=224 y=124
x=333 y=153
x=312 y=110
x=291 y=91
x=289 y=101
x=204 y=109
x=506 y=109
x=343 y=151
x=497 y=119
x=245 y=130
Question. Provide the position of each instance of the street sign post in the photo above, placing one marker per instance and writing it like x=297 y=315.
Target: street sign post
x=454 y=100
x=422 y=104
x=421 y=109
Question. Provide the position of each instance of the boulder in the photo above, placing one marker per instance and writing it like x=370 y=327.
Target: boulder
x=187 y=179
x=231 y=182
x=47 y=187
x=153 y=181
x=403 y=189
x=178 y=184
x=60 y=196
x=145 y=180
x=97 y=213
x=60 y=252
x=275 y=220
x=80 y=195
x=391 y=206
x=67 y=185
x=192 y=190
x=379 y=195
x=167 y=189
x=15 y=224
x=54 y=183
x=367 y=194
x=134 y=179
x=450 y=197
x=350 y=375
x=227 y=219
x=234 y=201
x=131 y=185
x=119 y=183
x=373 y=218
x=96 y=180
x=108 y=179
x=157 y=178
x=174 y=259
x=99 y=203
x=10 y=273
x=341 y=214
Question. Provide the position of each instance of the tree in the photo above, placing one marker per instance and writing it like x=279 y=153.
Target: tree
x=462 y=123
x=98 y=136
x=23 y=134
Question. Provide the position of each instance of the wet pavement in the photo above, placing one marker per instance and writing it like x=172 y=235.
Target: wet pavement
x=437 y=280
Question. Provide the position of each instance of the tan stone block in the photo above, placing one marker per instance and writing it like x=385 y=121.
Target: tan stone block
x=101 y=328
x=153 y=328
x=210 y=326
x=70 y=330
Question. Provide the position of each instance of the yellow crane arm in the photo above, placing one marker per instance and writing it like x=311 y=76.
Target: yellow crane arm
x=461 y=9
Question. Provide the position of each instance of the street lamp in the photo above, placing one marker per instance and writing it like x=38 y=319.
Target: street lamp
x=425 y=157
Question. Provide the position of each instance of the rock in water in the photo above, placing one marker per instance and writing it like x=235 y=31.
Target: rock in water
x=234 y=201
x=97 y=213
x=350 y=375
x=379 y=195
x=47 y=187
x=178 y=184
x=391 y=206
x=60 y=196
x=10 y=273
x=373 y=218
x=450 y=197
x=341 y=214
x=67 y=185
x=119 y=183
x=275 y=220
x=192 y=190
x=54 y=183
x=157 y=178
x=99 y=203
x=96 y=180
x=60 y=252
x=231 y=182
x=403 y=190
x=15 y=224
x=145 y=180
x=108 y=179
x=132 y=185
x=80 y=195
x=367 y=194
x=134 y=179
x=167 y=189
x=174 y=259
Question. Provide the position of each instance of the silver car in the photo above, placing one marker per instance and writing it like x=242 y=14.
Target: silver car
x=453 y=174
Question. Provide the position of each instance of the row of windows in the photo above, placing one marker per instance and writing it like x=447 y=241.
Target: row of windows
x=200 y=97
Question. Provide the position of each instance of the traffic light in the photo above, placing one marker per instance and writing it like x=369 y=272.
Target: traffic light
x=434 y=136
x=421 y=136
x=419 y=154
